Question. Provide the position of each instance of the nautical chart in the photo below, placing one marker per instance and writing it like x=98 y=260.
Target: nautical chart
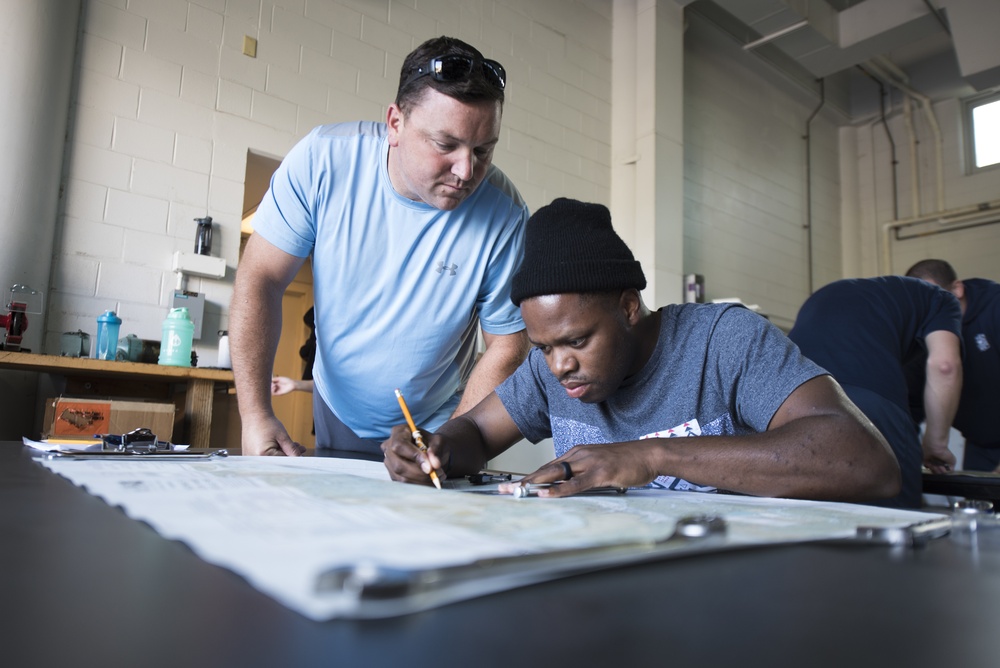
x=282 y=523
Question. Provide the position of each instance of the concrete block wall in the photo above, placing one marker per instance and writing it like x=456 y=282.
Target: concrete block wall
x=973 y=252
x=745 y=184
x=166 y=107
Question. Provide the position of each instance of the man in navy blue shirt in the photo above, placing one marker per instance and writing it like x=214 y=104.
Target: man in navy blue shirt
x=864 y=331
x=976 y=417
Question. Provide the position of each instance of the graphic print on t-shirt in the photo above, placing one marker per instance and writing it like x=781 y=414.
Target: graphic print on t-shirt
x=683 y=430
x=567 y=434
x=689 y=428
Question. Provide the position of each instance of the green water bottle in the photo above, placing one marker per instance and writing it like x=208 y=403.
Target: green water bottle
x=178 y=335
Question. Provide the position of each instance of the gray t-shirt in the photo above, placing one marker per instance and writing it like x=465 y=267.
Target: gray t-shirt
x=717 y=369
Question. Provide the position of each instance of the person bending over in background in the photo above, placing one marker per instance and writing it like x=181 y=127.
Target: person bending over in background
x=614 y=384
x=976 y=417
x=414 y=235
x=865 y=331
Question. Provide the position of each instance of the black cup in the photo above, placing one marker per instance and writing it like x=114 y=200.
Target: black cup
x=203 y=239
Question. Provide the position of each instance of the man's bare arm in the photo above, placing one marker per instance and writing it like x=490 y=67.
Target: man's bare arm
x=504 y=353
x=818 y=446
x=942 y=390
x=254 y=330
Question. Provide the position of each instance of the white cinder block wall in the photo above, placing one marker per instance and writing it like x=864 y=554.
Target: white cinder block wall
x=745 y=186
x=167 y=107
x=973 y=252
x=745 y=183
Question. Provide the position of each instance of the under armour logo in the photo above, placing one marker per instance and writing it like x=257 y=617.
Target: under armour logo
x=441 y=268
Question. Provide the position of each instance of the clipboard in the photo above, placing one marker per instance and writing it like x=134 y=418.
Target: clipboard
x=365 y=590
x=136 y=455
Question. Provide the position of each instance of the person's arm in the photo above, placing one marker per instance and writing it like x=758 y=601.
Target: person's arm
x=818 y=445
x=254 y=329
x=942 y=390
x=460 y=447
x=504 y=353
x=284 y=385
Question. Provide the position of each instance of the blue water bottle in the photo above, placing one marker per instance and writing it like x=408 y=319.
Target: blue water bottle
x=178 y=336
x=108 y=325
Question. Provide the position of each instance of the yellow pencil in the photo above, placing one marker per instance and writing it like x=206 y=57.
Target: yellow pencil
x=416 y=434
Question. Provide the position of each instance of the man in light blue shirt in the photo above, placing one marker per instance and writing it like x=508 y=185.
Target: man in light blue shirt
x=413 y=236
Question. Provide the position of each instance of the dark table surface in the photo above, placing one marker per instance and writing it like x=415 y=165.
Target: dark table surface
x=84 y=585
x=966 y=484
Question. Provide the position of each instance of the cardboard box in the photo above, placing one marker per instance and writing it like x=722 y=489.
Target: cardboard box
x=70 y=416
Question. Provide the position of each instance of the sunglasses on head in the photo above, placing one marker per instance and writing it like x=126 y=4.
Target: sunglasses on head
x=458 y=68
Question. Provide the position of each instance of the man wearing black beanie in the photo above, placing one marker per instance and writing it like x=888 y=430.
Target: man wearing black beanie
x=613 y=384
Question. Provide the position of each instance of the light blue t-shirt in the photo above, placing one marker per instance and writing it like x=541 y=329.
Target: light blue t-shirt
x=399 y=285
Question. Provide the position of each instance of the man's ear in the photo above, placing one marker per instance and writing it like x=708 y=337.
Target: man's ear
x=394 y=121
x=631 y=305
x=958 y=289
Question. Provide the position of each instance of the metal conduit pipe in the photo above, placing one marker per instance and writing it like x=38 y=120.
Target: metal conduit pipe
x=914 y=165
x=892 y=147
x=888 y=134
x=968 y=216
x=809 y=216
x=897 y=78
x=938 y=151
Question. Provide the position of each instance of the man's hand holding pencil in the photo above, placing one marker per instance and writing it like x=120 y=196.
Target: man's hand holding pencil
x=407 y=456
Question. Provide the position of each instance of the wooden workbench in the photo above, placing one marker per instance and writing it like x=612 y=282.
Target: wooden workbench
x=92 y=376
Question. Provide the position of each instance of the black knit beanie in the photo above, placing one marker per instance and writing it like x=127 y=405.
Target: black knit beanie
x=570 y=246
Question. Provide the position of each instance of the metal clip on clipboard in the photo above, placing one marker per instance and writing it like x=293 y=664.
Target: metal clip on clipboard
x=372 y=590
x=911 y=535
x=141 y=440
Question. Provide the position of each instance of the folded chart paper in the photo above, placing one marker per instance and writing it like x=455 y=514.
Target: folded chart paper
x=348 y=529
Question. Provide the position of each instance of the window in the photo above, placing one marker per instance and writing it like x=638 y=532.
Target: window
x=982 y=122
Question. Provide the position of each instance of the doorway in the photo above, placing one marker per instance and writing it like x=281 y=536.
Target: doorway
x=294 y=409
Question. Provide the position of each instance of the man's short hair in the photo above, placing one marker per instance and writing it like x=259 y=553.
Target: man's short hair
x=474 y=88
x=938 y=272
